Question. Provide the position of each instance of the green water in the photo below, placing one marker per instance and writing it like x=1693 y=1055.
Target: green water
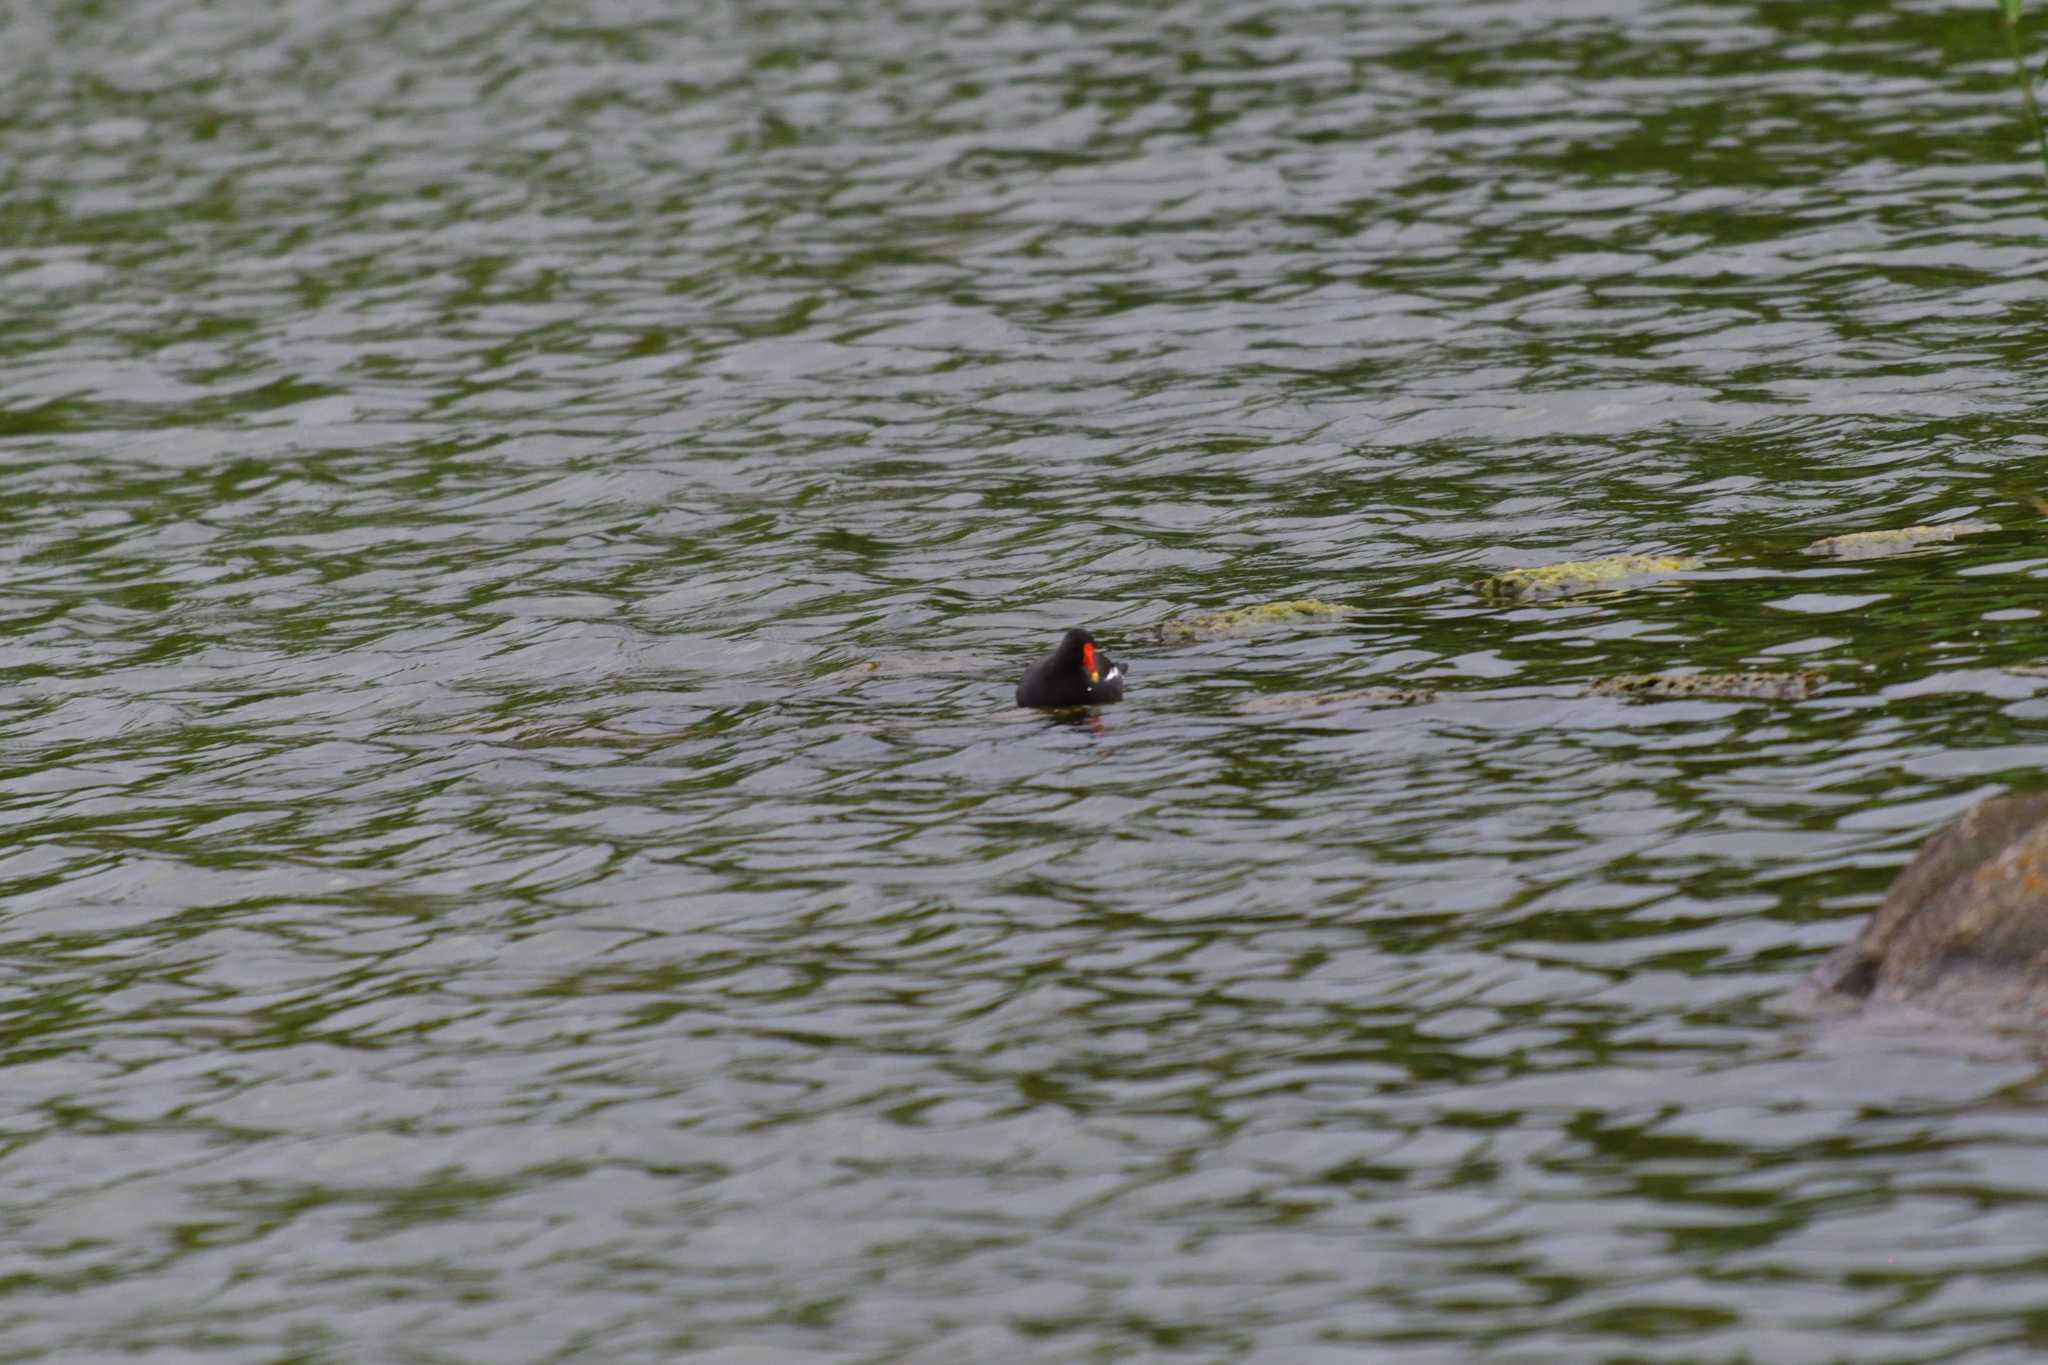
x=521 y=523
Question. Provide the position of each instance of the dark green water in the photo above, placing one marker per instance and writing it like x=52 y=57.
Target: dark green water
x=467 y=897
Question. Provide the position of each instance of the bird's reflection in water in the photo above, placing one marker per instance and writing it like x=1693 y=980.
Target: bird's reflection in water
x=1079 y=717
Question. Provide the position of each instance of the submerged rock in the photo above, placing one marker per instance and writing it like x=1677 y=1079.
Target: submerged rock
x=1876 y=544
x=1759 y=685
x=1214 y=625
x=1579 y=575
x=1288 y=702
x=1964 y=928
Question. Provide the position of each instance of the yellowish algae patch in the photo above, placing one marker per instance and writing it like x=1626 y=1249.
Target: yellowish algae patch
x=1876 y=544
x=1578 y=575
x=1671 y=686
x=908 y=665
x=1363 y=696
x=1214 y=625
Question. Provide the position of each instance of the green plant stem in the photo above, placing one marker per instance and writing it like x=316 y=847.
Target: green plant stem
x=2019 y=70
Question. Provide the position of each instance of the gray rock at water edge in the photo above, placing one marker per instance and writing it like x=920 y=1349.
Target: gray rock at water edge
x=1964 y=928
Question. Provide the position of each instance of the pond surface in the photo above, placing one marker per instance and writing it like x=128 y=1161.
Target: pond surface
x=521 y=522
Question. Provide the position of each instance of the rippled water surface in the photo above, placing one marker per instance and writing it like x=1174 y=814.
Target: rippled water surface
x=521 y=522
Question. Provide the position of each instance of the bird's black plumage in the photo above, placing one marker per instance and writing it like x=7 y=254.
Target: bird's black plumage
x=1062 y=678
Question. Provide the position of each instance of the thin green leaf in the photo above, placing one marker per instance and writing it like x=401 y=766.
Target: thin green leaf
x=2026 y=82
